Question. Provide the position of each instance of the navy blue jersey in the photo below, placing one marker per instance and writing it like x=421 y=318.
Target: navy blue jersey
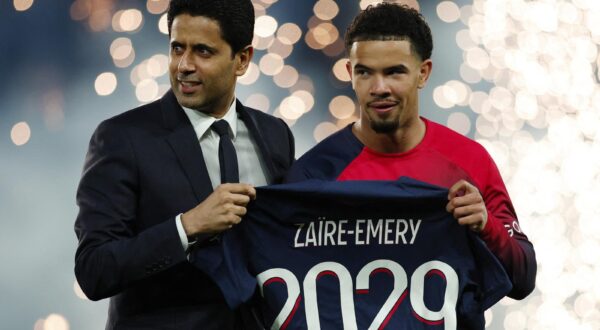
x=356 y=255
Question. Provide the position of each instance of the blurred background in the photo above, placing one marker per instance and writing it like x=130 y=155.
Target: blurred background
x=520 y=77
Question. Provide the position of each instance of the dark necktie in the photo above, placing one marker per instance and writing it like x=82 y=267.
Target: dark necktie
x=227 y=156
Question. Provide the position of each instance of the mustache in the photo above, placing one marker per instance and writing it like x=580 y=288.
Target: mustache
x=187 y=78
x=382 y=100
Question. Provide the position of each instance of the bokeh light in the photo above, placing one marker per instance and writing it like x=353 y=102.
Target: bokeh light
x=56 y=322
x=271 y=64
x=128 y=20
x=147 y=90
x=326 y=9
x=163 y=25
x=251 y=75
x=342 y=107
x=105 y=83
x=448 y=11
x=157 y=6
x=265 y=26
x=289 y=33
x=258 y=101
x=122 y=52
x=22 y=5
x=323 y=130
x=20 y=133
x=340 y=71
x=542 y=64
x=287 y=77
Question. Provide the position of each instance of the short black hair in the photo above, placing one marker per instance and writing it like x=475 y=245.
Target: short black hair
x=235 y=18
x=390 y=21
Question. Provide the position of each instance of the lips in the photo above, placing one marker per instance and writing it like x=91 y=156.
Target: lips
x=189 y=87
x=382 y=107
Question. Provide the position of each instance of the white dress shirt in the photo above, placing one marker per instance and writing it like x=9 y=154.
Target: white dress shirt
x=246 y=150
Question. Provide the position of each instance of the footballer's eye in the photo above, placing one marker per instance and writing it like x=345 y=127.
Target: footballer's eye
x=176 y=48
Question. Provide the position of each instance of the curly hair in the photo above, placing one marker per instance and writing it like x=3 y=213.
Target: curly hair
x=235 y=18
x=390 y=21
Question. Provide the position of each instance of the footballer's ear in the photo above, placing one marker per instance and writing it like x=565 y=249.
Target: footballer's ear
x=349 y=68
x=424 y=72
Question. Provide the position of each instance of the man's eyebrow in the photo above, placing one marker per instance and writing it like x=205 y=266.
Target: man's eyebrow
x=198 y=46
x=361 y=66
x=400 y=67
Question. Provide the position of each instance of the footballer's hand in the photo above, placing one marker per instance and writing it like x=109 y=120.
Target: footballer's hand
x=220 y=210
x=467 y=206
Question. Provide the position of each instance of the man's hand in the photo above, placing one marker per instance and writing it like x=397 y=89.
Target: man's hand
x=220 y=210
x=467 y=206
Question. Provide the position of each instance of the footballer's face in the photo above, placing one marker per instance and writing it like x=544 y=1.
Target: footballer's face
x=202 y=68
x=386 y=76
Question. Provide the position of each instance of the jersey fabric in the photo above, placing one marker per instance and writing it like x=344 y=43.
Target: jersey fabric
x=356 y=255
x=442 y=158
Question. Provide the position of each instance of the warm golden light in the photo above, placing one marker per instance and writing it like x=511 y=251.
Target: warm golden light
x=147 y=90
x=325 y=34
x=448 y=11
x=307 y=99
x=20 y=133
x=56 y=322
x=281 y=49
x=258 y=101
x=323 y=130
x=265 y=26
x=157 y=6
x=100 y=19
x=105 y=83
x=342 y=107
x=80 y=10
x=22 y=5
x=287 y=77
x=128 y=20
x=292 y=107
x=163 y=26
x=289 y=33
x=262 y=43
x=340 y=71
x=122 y=52
x=326 y=9
x=251 y=76
x=459 y=122
x=271 y=64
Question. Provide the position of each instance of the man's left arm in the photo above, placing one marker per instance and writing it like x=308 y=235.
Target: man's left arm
x=492 y=215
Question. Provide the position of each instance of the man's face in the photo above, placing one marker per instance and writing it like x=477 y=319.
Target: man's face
x=386 y=77
x=201 y=67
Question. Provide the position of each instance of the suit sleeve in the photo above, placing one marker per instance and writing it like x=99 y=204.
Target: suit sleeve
x=113 y=253
x=503 y=236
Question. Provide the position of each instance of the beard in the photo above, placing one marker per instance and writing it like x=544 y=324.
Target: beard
x=384 y=127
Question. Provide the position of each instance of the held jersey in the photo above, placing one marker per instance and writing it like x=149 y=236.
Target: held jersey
x=442 y=158
x=356 y=255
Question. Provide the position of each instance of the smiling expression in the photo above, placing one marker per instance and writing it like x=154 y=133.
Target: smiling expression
x=386 y=76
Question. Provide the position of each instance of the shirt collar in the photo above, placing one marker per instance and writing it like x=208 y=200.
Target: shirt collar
x=202 y=122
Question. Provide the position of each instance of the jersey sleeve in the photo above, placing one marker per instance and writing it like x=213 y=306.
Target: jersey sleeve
x=504 y=237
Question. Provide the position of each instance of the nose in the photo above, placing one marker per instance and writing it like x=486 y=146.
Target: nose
x=186 y=64
x=379 y=86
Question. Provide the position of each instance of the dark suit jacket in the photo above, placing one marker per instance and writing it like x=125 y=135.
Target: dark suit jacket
x=143 y=168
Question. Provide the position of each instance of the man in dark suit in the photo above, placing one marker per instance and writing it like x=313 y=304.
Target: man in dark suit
x=151 y=186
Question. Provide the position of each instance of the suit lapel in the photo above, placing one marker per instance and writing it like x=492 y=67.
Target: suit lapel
x=184 y=142
x=250 y=120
